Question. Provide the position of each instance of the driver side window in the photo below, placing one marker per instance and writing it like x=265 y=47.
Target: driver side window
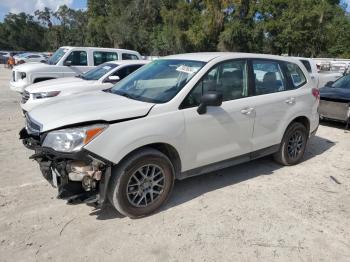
x=229 y=78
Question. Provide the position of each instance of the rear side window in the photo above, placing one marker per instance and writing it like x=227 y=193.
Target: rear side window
x=268 y=77
x=307 y=65
x=102 y=57
x=126 y=56
x=78 y=58
x=296 y=74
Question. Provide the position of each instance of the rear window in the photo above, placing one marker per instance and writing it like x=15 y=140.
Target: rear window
x=307 y=65
x=296 y=74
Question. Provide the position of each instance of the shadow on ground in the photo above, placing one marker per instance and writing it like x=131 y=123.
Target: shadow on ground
x=191 y=188
x=335 y=124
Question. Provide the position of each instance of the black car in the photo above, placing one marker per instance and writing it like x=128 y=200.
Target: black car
x=335 y=100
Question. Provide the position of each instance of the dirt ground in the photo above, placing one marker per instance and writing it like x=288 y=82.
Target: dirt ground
x=257 y=211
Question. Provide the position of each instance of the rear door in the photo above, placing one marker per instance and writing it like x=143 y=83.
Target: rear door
x=270 y=101
x=101 y=57
x=222 y=132
x=277 y=99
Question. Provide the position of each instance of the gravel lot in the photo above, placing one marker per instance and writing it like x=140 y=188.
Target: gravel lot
x=257 y=211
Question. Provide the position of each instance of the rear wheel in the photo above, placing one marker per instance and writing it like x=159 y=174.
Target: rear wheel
x=293 y=145
x=142 y=183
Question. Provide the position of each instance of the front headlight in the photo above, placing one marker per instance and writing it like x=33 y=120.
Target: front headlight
x=45 y=94
x=72 y=139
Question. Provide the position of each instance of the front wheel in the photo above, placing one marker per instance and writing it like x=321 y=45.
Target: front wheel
x=141 y=183
x=293 y=145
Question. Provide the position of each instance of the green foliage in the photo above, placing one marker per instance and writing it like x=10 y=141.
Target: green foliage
x=20 y=31
x=161 y=27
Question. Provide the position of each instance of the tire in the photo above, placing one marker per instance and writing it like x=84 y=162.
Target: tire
x=134 y=195
x=286 y=154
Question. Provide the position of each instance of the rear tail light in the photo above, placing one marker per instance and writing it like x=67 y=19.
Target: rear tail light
x=316 y=93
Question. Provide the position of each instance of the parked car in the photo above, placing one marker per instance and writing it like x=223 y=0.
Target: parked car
x=4 y=55
x=99 y=78
x=67 y=62
x=338 y=66
x=179 y=116
x=319 y=78
x=335 y=100
x=29 y=58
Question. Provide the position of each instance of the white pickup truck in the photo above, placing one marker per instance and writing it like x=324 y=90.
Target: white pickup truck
x=67 y=61
x=320 y=79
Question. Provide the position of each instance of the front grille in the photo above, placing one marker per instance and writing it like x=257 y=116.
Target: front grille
x=25 y=97
x=31 y=126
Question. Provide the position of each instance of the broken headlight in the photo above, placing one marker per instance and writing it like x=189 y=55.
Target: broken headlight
x=72 y=139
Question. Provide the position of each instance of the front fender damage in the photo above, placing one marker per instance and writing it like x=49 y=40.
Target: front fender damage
x=78 y=177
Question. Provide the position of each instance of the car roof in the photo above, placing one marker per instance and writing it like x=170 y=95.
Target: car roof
x=99 y=48
x=207 y=56
x=128 y=62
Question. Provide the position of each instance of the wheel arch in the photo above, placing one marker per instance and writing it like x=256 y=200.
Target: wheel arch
x=165 y=148
x=305 y=121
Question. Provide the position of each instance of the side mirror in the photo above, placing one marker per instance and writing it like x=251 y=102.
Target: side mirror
x=329 y=84
x=112 y=79
x=211 y=98
x=67 y=63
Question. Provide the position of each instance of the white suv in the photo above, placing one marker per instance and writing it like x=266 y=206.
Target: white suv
x=176 y=117
x=67 y=61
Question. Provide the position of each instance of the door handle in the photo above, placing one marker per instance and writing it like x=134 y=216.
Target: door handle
x=290 y=101
x=247 y=111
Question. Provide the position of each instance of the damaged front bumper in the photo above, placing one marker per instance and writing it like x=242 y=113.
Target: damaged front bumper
x=79 y=176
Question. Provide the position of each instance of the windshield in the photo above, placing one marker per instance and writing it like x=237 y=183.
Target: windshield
x=159 y=81
x=53 y=60
x=99 y=71
x=343 y=82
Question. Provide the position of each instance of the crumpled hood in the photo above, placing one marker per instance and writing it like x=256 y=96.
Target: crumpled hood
x=31 y=67
x=58 y=84
x=87 y=107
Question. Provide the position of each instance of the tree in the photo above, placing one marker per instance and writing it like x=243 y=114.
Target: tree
x=21 y=32
x=98 y=17
x=64 y=26
x=241 y=31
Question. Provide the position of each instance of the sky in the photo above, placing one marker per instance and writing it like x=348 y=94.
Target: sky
x=29 y=6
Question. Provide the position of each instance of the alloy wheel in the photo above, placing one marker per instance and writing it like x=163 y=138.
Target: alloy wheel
x=145 y=185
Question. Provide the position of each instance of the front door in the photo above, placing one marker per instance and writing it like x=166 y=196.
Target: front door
x=222 y=132
x=78 y=63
